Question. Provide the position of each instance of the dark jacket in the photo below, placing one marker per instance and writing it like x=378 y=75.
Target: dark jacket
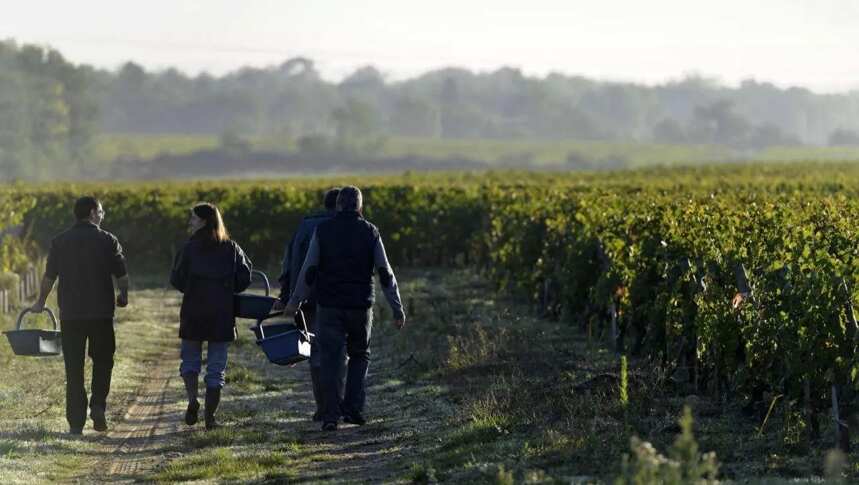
x=84 y=258
x=208 y=276
x=295 y=252
x=346 y=254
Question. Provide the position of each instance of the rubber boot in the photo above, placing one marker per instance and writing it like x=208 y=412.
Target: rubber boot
x=213 y=398
x=192 y=412
x=316 y=378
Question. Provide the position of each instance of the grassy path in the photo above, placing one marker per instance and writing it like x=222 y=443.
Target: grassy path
x=34 y=444
x=474 y=390
x=265 y=409
x=147 y=434
x=269 y=437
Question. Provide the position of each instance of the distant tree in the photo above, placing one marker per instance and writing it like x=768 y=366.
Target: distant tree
x=356 y=119
x=314 y=144
x=768 y=134
x=669 y=131
x=234 y=144
x=48 y=113
x=842 y=136
x=412 y=116
x=619 y=109
x=717 y=123
x=14 y=125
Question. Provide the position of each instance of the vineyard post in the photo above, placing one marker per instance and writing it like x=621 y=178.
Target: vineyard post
x=853 y=334
x=842 y=433
x=612 y=309
x=853 y=327
x=545 y=298
x=809 y=411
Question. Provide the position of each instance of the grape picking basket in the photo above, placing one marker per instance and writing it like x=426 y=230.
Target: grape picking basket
x=35 y=341
x=256 y=307
x=284 y=343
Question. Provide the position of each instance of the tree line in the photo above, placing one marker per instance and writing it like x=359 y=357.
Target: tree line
x=50 y=109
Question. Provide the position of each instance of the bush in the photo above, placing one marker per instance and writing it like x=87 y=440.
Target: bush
x=684 y=464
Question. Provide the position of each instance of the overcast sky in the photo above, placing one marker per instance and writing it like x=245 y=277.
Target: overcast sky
x=788 y=42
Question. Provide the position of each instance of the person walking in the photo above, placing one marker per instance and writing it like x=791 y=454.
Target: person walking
x=86 y=259
x=343 y=254
x=293 y=258
x=208 y=270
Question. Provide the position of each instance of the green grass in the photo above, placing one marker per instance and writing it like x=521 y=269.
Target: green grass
x=32 y=394
x=224 y=464
x=515 y=152
x=474 y=390
x=552 y=152
x=142 y=146
x=518 y=415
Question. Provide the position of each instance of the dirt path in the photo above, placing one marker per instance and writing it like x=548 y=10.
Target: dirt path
x=147 y=433
x=398 y=413
x=271 y=418
x=266 y=412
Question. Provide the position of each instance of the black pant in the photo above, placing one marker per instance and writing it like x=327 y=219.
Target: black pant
x=102 y=345
x=316 y=363
x=344 y=330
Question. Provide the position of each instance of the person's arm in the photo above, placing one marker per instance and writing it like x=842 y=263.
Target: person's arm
x=122 y=297
x=119 y=271
x=244 y=268
x=389 y=283
x=179 y=272
x=306 y=278
x=47 y=284
x=44 y=290
x=284 y=270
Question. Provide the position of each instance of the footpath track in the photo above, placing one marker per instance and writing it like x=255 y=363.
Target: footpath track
x=151 y=437
x=149 y=431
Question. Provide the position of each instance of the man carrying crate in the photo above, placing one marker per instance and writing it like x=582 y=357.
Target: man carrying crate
x=293 y=258
x=86 y=258
x=344 y=253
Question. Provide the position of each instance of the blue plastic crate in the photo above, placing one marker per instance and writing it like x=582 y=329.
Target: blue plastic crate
x=283 y=343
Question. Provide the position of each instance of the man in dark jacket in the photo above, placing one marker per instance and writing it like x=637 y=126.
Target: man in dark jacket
x=293 y=258
x=344 y=252
x=86 y=258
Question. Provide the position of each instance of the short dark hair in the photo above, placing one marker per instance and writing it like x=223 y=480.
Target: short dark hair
x=349 y=199
x=84 y=206
x=331 y=198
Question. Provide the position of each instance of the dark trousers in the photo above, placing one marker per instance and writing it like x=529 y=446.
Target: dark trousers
x=344 y=331
x=316 y=363
x=102 y=345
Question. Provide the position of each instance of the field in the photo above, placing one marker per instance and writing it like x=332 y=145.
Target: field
x=555 y=317
x=516 y=153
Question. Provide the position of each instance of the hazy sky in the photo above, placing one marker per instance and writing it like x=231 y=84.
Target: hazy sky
x=789 y=42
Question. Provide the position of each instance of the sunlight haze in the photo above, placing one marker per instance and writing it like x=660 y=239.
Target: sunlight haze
x=810 y=44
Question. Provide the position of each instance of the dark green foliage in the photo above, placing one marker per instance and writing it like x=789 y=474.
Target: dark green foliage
x=48 y=114
x=656 y=251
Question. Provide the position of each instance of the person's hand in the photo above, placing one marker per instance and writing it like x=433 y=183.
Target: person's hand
x=400 y=323
x=122 y=300
x=278 y=306
x=37 y=307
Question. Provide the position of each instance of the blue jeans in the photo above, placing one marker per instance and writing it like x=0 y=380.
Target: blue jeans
x=216 y=361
